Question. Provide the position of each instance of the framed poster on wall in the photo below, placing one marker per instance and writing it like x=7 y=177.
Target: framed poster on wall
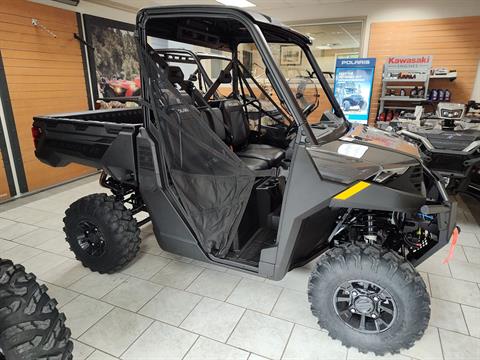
x=353 y=87
x=290 y=55
x=113 y=58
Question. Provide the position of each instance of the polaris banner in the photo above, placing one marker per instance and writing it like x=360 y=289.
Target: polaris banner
x=353 y=87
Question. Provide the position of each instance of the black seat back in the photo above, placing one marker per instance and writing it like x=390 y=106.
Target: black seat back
x=214 y=118
x=175 y=74
x=190 y=94
x=236 y=122
x=187 y=99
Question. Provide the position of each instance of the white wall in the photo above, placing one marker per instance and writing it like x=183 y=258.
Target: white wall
x=85 y=7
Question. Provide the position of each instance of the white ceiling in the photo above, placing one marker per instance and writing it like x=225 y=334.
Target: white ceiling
x=333 y=36
x=261 y=5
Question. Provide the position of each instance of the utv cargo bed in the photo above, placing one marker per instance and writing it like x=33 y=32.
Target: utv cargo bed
x=104 y=138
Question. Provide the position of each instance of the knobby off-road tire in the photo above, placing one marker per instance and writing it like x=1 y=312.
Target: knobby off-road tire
x=30 y=325
x=398 y=281
x=102 y=233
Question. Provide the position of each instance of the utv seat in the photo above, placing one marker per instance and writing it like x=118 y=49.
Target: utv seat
x=212 y=116
x=255 y=164
x=238 y=127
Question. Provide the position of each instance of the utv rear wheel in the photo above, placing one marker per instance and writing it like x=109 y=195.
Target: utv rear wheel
x=346 y=105
x=30 y=325
x=369 y=298
x=102 y=233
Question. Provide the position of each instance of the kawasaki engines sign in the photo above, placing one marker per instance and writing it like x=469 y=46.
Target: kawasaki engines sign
x=414 y=67
x=413 y=62
x=353 y=87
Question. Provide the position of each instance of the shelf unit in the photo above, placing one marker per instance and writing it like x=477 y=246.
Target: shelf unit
x=389 y=83
x=402 y=98
x=422 y=73
x=450 y=76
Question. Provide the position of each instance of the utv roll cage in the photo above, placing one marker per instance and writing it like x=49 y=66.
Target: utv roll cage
x=255 y=28
x=225 y=28
x=210 y=88
x=186 y=56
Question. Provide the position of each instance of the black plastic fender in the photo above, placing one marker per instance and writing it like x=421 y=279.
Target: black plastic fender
x=371 y=196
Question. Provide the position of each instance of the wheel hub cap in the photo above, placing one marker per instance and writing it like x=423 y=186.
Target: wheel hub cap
x=90 y=239
x=365 y=306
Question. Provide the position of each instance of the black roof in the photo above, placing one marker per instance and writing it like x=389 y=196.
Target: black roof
x=214 y=26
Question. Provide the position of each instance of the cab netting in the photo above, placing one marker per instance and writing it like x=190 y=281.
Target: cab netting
x=212 y=183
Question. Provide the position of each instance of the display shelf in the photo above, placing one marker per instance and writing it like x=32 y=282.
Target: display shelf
x=450 y=77
x=401 y=87
x=396 y=66
x=405 y=80
x=402 y=98
x=399 y=107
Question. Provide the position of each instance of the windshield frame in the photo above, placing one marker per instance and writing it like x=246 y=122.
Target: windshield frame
x=324 y=83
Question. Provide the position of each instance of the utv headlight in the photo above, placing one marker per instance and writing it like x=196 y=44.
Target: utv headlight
x=386 y=174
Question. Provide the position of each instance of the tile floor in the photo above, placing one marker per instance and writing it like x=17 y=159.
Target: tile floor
x=164 y=306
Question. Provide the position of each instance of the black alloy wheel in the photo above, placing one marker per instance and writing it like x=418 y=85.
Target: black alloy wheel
x=365 y=306
x=90 y=238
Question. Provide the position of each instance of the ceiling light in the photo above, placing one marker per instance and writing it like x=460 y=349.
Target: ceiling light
x=237 y=3
x=323 y=47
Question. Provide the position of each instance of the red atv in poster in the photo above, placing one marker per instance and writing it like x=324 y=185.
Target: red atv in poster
x=120 y=87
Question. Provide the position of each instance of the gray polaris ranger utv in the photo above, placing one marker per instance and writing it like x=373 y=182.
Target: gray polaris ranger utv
x=358 y=199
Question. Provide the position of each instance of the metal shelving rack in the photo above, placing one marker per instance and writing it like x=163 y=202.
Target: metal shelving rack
x=422 y=78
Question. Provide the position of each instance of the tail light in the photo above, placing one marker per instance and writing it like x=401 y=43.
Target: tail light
x=36 y=134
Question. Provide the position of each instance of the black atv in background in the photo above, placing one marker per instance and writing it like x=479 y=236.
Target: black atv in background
x=357 y=198
x=450 y=145
x=30 y=325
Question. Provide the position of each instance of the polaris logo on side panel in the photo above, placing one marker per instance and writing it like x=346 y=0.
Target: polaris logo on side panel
x=355 y=62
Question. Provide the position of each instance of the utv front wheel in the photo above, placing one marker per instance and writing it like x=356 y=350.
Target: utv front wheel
x=102 y=233
x=30 y=325
x=369 y=298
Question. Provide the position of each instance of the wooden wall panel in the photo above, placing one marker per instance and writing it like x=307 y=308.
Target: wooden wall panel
x=44 y=75
x=453 y=42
